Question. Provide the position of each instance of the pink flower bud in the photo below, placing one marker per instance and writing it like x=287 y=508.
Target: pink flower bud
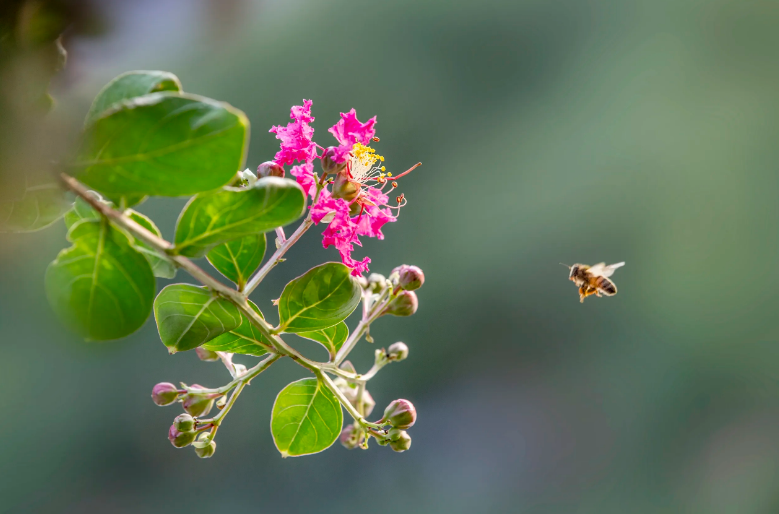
x=180 y=439
x=409 y=277
x=329 y=164
x=206 y=355
x=400 y=414
x=164 y=393
x=198 y=404
x=405 y=304
x=397 y=351
x=270 y=169
x=345 y=188
x=351 y=437
x=399 y=441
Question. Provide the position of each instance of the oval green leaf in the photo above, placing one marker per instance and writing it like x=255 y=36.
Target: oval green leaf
x=188 y=316
x=160 y=264
x=320 y=298
x=101 y=287
x=332 y=338
x=238 y=259
x=211 y=219
x=163 y=144
x=306 y=418
x=130 y=85
x=40 y=206
x=83 y=211
x=246 y=339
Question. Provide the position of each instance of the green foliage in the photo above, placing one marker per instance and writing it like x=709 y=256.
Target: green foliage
x=231 y=213
x=238 y=259
x=81 y=210
x=40 y=206
x=171 y=145
x=331 y=338
x=100 y=287
x=188 y=316
x=306 y=418
x=319 y=299
x=246 y=339
x=160 y=264
x=130 y=85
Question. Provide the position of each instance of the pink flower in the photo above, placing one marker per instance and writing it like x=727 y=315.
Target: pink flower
x=348 y=131
x=304 y=174
x=365 y=170
x=296 y=143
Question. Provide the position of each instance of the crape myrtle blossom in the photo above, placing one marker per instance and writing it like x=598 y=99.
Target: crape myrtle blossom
x=356 y=205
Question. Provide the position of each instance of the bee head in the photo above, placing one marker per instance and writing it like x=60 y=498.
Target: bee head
x=574 y=272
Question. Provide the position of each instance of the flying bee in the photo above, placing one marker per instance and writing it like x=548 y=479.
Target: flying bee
x=594 y=279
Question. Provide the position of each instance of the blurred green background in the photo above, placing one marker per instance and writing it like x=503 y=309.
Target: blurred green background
x=550 y=131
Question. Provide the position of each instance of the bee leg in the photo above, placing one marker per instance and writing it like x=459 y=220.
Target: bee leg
x=585 y=291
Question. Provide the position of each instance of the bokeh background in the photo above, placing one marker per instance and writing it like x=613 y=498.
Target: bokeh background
x=550 y=131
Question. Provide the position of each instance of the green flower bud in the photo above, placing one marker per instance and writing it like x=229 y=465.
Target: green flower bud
x=345 y=188
x=198 y=404
x=164 y=393
x=204 y=449
x=402 y=443
x=328 y=162
x=397 y=351
x=409 y=277
x=180 y=439
x=270 y=169
x=206 y=355
x=395 y=433
x=184 y=423
x=382 y=441
x=400 y=414
x=351 y=437
x=405 y=304
x=376 y=283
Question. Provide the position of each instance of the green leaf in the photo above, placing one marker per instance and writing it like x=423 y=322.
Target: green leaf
x=231 y=213
x=246 y=339
x=306 y=418
x=130 y=85
x=188 y=316
x=164 y=144
x=320 y=298
x=100 y=287
x=160 y=264
x=82 y=211
x=331 y=338
x=40 y=206
x=238 y=259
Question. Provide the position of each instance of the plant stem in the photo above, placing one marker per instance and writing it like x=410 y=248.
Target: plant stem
x=345 y=401
x=276 y=258
x=361 y=328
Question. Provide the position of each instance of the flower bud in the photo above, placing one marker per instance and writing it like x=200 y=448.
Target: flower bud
x=405 y=304
x=402 y=441
x=345 y=188
x=204 y=449
x=270 y=169
x=400 y=414
x=409 y=277
x=247 y=178
x=328 y=161
x=206 y=355
x=184 y=423
x=180 y=439
x=397 y=351
x=376 y=283
x=198 y=404
x=164 y=393
x=351 y=437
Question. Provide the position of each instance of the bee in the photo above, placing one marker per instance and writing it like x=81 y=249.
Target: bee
x=593 y=279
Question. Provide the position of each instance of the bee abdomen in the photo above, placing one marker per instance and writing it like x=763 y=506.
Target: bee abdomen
x=606 y=286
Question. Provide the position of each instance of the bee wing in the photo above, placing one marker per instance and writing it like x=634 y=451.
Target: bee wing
x=601 y=270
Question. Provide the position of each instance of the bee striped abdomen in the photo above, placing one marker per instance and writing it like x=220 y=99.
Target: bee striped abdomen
x=606 y=286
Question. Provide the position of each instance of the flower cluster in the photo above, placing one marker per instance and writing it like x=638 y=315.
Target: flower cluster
x=356 y=204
